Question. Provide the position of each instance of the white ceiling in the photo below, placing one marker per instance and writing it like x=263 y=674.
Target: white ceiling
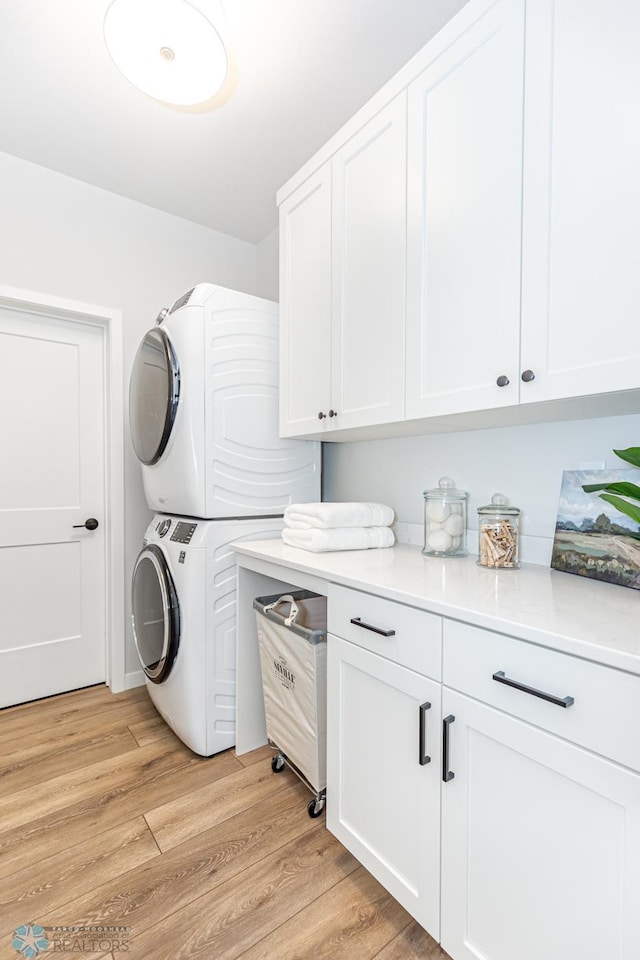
x=301 y=68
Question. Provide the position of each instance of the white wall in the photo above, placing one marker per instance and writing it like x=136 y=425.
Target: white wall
x=63 y=237
x=268 y=266
x=525 y=463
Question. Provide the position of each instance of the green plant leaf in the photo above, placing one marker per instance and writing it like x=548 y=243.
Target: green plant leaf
x=627 y=508
x=631 y=455
x=623 y=487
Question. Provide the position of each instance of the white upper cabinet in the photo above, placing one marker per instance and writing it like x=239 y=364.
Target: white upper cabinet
x=581 y=239
x=470 y=241
x=369 y=242
x=305 y=312
x=342 y=252
x=464 y=203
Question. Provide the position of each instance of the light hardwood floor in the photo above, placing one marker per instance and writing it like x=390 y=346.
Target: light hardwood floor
x=107 y=819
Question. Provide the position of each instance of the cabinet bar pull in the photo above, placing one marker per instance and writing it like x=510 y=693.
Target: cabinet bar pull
x=357 y=622
x=559 y=701
x=424 y=756
x=446 y=773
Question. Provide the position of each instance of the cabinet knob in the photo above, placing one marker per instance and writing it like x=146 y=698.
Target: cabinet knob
x=528 y=376
x=322 y=416
x=503 y=381
x=333 y=413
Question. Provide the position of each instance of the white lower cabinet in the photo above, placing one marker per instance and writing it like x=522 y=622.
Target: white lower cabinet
x=519 y=837
x=383 y=773
x=540 y=844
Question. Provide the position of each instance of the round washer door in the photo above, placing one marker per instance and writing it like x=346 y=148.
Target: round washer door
x=154 y=392
x=155 y=614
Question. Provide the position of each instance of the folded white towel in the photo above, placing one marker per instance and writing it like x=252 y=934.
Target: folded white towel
x=339 y=538
x=309 y=516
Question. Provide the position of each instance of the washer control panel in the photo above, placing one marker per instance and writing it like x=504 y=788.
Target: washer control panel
x=183 y=532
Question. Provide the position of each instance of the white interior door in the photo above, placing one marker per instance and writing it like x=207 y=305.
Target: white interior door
x=52 y=575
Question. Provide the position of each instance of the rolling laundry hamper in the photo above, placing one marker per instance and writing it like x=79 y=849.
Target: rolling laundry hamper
x=292 y=637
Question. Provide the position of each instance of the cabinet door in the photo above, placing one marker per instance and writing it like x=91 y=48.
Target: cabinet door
x=369 y=271
x=581 y=242
x=305 y=318
x=382 y=803
x=540 y=844
x=464 y=216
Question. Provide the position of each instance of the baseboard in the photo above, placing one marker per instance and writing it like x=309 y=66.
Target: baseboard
x=134 y=679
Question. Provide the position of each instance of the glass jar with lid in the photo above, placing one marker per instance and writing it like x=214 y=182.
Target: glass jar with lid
x=445 y=520
x=498 y=534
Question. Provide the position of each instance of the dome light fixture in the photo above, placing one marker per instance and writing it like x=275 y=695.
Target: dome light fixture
x=172 y=50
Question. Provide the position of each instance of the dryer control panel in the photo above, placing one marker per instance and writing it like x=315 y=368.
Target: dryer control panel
x=163 y=528
x=183 y=532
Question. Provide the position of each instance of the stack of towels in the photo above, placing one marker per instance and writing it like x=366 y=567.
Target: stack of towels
x=321 y=527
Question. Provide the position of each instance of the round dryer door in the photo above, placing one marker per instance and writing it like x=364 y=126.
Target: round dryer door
x=154 y=392
x=155 y=614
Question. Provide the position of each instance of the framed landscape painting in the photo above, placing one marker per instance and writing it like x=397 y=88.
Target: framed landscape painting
x=592 y=538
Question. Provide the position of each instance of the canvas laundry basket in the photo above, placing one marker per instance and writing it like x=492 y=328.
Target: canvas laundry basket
x=292 y=636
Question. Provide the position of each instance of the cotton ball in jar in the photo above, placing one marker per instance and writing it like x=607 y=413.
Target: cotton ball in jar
x=437 y=511
x=439 y=540
x=454 y=525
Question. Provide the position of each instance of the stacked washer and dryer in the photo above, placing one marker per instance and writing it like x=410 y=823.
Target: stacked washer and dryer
x=204 y=425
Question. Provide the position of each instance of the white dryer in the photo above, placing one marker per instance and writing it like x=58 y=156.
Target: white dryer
x=203 y=406
x=184 y=623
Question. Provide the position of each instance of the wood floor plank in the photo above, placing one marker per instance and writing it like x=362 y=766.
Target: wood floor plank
x=76 y=786
x=241 y=873
x=144 y=897
x=412 y=943
x=87 y=696
x=49 y=884
x=191 y=814
x=226 y=922
x=115 y=793
x=56 y=711
x=115 y=717
x=255 y=756
x=351 y=921
x=151 y=730
x=44 y=761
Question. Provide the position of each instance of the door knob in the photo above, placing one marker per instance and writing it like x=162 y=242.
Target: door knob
x=503 y=381
x=90 y=524
x=322 y=416
x=528 y=376
x=333 y=413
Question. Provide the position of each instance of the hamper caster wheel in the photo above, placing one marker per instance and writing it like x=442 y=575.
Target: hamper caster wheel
x=315 y=808
x=277 y=763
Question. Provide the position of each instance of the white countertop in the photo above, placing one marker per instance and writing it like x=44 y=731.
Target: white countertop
x=587 y=618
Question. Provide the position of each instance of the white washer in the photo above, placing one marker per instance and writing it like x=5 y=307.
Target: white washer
x=204 y=411
x=184 y=623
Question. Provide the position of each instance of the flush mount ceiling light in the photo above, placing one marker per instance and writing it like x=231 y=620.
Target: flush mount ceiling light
x=169 y=49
